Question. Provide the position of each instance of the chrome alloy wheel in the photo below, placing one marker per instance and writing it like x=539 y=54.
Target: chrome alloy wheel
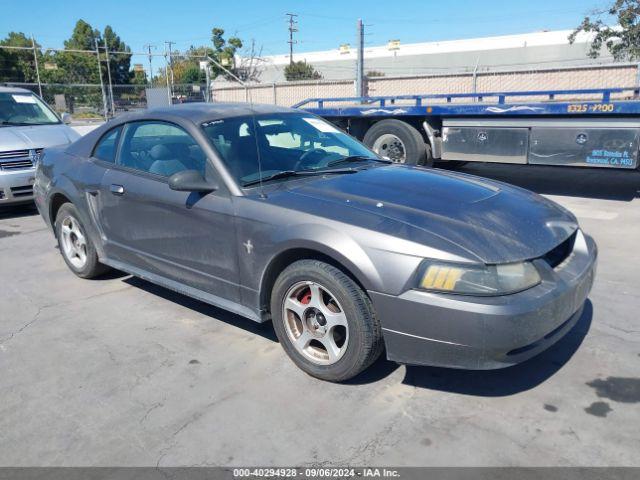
x=390 y=146
x=73 y=242
x=315 y=323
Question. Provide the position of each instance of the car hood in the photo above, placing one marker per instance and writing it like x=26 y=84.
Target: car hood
x=491 y=221
x=35 y=136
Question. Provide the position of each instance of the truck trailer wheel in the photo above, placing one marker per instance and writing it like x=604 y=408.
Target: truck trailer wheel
x=399 y=142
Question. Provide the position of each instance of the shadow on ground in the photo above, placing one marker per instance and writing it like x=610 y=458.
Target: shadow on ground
x=488 y=383
x=598 y=183
x=16 y=211
x=265 y=330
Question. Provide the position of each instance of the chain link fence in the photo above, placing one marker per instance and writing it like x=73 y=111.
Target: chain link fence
x=97 y=84
x=46 y=72
x=568 y=78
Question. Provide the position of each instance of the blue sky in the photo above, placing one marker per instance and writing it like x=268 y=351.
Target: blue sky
x=323 y=24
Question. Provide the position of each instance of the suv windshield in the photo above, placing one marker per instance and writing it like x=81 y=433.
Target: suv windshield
x=287 y=142
x=17 y=108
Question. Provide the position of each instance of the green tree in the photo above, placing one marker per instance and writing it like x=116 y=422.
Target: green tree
x=224 y=51
x=82 y=67
x=301 y=71
x=119 y=63
x=77 y=67
x=186 y=66
x=17 y=65
x=139 y=78
x=623 y=39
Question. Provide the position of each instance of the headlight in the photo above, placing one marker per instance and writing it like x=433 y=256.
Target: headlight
x=478 y=279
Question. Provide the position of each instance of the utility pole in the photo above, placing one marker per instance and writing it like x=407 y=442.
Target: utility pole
x=106 y=52
x=360 y=90
x=293 y=27
x=104 y=95
x=166 y=74
x=35 y=59
x=149 y=47
x=169 y=44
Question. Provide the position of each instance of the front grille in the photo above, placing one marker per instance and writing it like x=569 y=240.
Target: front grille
x=26 y=191
x=18 y=159
x=560 y=253
x=14 y=154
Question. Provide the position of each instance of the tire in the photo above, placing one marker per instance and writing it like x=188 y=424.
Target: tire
x=350 y=324
x=76 y=247
x=381 y=138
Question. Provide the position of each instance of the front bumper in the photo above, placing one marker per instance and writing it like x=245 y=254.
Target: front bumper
x=481 y=333
x=16 y=186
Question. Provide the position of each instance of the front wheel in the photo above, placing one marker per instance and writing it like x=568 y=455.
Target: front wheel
x=76 y=246
x=325 y=321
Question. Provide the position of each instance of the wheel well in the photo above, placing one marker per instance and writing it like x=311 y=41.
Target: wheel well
x=286 y=258
x=56 y=202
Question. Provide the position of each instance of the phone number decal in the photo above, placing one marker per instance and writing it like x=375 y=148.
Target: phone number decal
x=593 y=107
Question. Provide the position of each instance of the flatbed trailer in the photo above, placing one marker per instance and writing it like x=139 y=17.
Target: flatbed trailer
x=585 y=128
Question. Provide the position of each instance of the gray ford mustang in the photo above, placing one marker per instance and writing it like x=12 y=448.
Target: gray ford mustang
x=275 y=214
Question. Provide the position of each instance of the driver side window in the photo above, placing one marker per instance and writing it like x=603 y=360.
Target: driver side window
x=160 y=148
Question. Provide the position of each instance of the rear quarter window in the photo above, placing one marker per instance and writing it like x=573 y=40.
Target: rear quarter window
x=106 y=147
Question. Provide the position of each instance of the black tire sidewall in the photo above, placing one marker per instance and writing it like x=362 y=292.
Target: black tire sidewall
x=414 y=144
x=343 y=288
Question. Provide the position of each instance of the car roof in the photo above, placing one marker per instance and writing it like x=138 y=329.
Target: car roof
x=203 y=112
x=14 y=90
x=195 y=113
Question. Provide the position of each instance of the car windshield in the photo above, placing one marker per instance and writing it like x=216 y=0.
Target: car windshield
x=18 y=108
x=286 y=142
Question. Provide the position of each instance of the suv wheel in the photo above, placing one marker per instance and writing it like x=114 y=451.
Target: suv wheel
x=76 y=246
x=325 y=321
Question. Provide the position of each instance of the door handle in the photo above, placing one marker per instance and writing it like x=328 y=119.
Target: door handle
x=117 y=189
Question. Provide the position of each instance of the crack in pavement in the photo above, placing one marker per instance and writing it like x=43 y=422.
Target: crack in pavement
x=194 y=418
x=40 y=309
x=24 y=327
x=151 y=409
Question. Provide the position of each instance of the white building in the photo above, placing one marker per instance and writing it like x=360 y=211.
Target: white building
x=545 y=49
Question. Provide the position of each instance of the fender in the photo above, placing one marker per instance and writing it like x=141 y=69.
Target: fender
x=63 y=185
x=292 y=244
x=332 y=243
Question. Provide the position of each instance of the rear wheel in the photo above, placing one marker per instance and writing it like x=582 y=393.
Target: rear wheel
x=324 y=321
x=76 y=247
x=399 y=142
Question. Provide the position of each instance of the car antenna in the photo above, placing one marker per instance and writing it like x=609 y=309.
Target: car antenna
x=253 y=118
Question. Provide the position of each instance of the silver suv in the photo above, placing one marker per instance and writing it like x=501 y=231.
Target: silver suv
x=27 y=126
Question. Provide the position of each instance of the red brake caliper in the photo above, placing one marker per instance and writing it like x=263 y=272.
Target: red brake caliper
x=306 y=297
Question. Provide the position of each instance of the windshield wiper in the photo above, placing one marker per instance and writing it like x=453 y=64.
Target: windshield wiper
x=297 y=173
x=18 y=124
x=355 y=158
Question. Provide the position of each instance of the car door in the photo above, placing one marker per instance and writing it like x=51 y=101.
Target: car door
x=186 y=237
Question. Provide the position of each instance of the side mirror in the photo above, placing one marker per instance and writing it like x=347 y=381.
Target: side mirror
x=191 y=181
x=66 y=118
